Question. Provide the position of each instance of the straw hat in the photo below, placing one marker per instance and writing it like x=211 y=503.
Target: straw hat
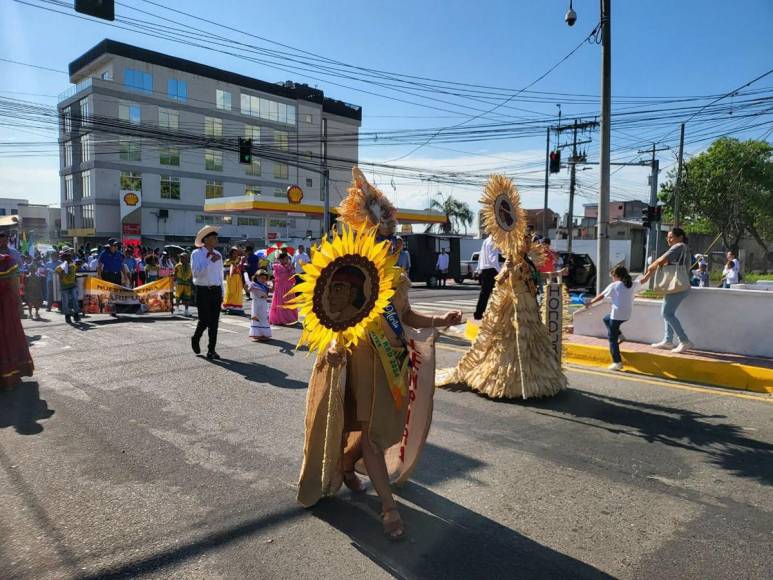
x=203 y=233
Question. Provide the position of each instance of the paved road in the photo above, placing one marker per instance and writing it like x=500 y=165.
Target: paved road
x=129 y=456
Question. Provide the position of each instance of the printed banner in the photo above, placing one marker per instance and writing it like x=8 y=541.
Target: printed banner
x=402 y=457
x=554 y=314
x=101 y=297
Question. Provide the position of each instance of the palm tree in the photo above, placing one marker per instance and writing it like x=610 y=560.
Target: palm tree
x=458 y=214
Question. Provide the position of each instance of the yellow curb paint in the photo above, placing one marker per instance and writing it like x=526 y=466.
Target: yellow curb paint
x=708 y=372
x=452 y=348
x=669 y=384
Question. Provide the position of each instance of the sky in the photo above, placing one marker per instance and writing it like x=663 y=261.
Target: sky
x=659 y=48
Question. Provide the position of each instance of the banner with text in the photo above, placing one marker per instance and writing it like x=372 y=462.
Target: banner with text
x=101 y=297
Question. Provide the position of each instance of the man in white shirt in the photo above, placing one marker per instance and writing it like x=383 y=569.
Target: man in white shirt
x=299 y=259
x=488 y=266
x=207 y=267
x=442 y=266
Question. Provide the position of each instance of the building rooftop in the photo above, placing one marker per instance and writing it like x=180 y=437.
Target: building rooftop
x=289 y=89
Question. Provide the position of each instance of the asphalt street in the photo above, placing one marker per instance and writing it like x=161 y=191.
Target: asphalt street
x=128 y=456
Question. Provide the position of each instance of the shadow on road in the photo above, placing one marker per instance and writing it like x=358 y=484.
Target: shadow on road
x=438 y=464
x=259 y=373
x=445 y=540
x=725 y=444
x=22 y=408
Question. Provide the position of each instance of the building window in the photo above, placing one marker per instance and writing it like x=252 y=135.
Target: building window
x=84 y=111
x=267 y=109
x=249 y=221
x=129 y=113
x=308 y=156
x=86 y=185
x=281 y=170
x=213 y=160
x=169 y=156
x=70 y=218
x=66 y=119
x=253 y=168
x=282 y=140
x=130 y=149
x=228 y=220
x=170 y=187
x=87 y=216
x=253 y=190
x=223 y=100
x=213 y=127
x=138 y=80
x=252 y=132
x=177 y=90
x=68 y=154
x=68 y=196
x=213 y=189
x=308 y=118
x=280 y=192
x=309 y=182
x=106 y=76
x=131 y=180
x=168 y=119
x=86 y=152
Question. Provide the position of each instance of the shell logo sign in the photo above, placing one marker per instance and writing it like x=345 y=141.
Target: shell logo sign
x=294 y=194
x=131 y=199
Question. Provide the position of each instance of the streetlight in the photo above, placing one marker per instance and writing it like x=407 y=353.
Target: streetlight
x=602 y=255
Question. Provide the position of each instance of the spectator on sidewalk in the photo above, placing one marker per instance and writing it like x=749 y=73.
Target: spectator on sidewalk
x=489 y=264
x=110 y=263
x=620 y=293
x=130 y=268
x=443 y=260
x=730 y=273
x=677 y=253
x=701 y=276
x=299 y=259
x=404 y=256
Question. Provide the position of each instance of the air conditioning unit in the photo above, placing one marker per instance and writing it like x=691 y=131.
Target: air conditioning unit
x=163 y=214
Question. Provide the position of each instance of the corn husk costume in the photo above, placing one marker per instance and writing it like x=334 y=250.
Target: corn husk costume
x=512 y=356
x=386 y=384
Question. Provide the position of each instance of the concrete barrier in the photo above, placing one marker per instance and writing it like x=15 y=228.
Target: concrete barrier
x=715 y=319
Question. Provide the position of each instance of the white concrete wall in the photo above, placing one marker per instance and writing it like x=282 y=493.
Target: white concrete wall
x=715 y=320
x=619 y=250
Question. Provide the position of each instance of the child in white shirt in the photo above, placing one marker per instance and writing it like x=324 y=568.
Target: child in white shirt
x=620 y=293
x=260 y=329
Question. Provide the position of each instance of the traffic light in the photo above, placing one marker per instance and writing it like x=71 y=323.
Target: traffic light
x=657 y=213
x=104 y=9
x=245 y=151
x=555 y=161
x=647 y=215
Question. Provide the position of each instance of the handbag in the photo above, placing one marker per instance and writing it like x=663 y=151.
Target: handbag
x=673 y=278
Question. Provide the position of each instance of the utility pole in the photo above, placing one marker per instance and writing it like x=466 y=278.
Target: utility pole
x=602 y=255
x=654 y=230
x=547 y=174
x=678 y=185
x=326 y=193
x=572 y=182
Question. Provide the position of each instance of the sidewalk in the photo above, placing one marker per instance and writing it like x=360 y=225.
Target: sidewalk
x=716 y=369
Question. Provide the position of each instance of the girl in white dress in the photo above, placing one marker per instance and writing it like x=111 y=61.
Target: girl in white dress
x=260 y=329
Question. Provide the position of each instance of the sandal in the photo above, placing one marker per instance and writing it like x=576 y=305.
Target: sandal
x=393 y=524
x=353 y=482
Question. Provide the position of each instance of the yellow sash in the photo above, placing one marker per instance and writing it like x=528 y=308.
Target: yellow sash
x=394 y=360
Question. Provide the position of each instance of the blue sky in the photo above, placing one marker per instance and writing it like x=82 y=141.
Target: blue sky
x=660 y=48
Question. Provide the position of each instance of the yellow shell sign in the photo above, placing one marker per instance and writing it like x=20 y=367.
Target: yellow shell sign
x=131 y=199
x=294 y=194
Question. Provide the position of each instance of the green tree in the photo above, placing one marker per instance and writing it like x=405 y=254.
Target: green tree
x=458 y=214
x=727 y=189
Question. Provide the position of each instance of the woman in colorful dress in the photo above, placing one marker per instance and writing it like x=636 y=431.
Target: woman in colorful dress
x=15 y=359
x=152 y=268
x=233 y=300
x=260 y=329
x=33 y=289
x=183 y=282
x=283 y=284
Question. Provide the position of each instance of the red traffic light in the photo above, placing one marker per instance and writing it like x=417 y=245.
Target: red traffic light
x=555 y=161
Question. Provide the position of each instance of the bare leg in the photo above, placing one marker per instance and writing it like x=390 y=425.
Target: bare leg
x=377 y=470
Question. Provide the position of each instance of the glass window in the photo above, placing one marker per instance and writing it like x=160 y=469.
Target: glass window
x=68 y=196
x=86 y=151
x=129 y=112
x=309 y=182
x=213 y=160
x=68 y=154
x=70 y=218
x=252 y=132
x=170 y=187
x=228 y=220
x=138 y=80
x=130 y=149
x=245 y=104
x=87 y=216
x=251 y=189
x=282 y=140
x=281 y=170
x=213 y=127
x=131 y=180
x=253 y=168
x=308 y=118
x=169 y=156
x=67 y=119
x=168 y=119
x=268 y=109
x=177 y=90
x=279 y=192
x=290 y=114
x=273 y=111
x=106 y=76
x=249 y=221
x=84 y=110
x=213 y=189
x=86 y=184
x=223 y=100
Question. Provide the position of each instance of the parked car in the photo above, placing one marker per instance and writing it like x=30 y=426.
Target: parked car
x=468 y=269
x=582 y=272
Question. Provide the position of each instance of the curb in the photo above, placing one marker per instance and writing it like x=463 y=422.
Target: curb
x=706 y=372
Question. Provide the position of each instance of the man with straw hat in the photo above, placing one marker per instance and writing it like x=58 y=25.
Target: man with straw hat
x=207 y=267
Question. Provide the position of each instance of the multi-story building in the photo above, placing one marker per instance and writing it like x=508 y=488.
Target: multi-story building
x=166 y=129
x=39 y=222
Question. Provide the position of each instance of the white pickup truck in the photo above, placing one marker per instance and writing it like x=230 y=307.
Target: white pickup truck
x=468 y=269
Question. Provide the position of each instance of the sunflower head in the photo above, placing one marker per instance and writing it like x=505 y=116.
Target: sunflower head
x=344 y=289
x=502 y=215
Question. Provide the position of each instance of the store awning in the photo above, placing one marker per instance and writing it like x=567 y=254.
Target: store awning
x=248 y=204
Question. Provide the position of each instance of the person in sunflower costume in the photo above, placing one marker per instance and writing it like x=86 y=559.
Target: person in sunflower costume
x=354 y=300
x=512 y=355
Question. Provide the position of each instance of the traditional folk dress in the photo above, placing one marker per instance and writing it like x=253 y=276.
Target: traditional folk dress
x=233 y=300
x=259 y=325
x=183 y=284
x=33 y=289
x=15 y=359
x=283 y=283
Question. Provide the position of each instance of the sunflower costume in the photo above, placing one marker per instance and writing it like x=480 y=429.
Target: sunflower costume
x=183 y=283
x=512 y=355
x=353 y=296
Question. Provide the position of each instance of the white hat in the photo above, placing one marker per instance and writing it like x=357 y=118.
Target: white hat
x=203 y=233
